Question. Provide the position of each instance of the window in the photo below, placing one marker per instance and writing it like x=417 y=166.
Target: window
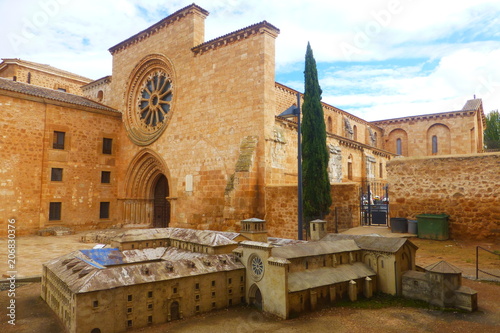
x=56 y=174
x=174 y=290
x=95 y=304
x=14 y=78
x=329 y=125
x=129 y=310
x=230 y=292
x=55 y=211
x=107 y=145
x=61 y=89
x=230 y=302
x=129 y=323
x=197 y=308
x=150 y=294
x=197 y=297
x=355 y=132
x=229 y=280
x=105 y=177
x=197 y=286
x=104 y=210
x=100 y=95
x=58 y=142
x=129 y=298
x=381 y=170
x=150 y=306
x=241 y=278
x=213 y=283
x=213 y=293
x=150 y=319
x=29 y=78
x=213 y=305
x=434 y=144
x=399 y=147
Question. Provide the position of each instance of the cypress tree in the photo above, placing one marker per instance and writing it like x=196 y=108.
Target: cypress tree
x=316 y=184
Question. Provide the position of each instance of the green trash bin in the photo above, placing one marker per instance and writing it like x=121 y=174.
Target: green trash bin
x=433 y=226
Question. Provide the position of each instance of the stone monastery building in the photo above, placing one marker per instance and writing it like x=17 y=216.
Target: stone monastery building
x=185 y=133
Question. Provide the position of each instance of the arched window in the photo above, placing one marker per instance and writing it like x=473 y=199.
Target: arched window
x=375 y=139
x=329 y=125
x=349 y=168
x=355 y=130
x=100 y=95
x=399 y=147
x=434 y=144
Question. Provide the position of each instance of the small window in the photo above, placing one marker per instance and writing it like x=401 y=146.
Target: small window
x=129 y=323
x=150 y=306
x=197 y=286
x=150 y=319
x=55 y=211
x=197 y=297
x=242 y=289
x=382 y=263
x=229 y=280
x=107 y=146
x=399 y=147
x=129 y=298
x=174 y=290
x=56 y=174
x=241 y=278
x=58 y=141
x=104 y=210
x=230 y=302
x=197 y=308
x=230 y=291
x=129 y=310
x=150 y=294
x=213 y=293
x=95 y=304
x=213 y=283
x=14 y=78
x=381 y=170
x=105 y=177
x=434 y=144
x=29 y=78
x=61 y=89
x=100 y=95
x=213 y=305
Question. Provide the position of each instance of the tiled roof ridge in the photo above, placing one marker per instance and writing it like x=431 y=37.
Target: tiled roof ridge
x=156 y=27
x=234 y=36
x=51 y=94
x=40 y=66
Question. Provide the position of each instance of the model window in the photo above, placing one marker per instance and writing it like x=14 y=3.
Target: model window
x=55 y=211
x=129 y=298
x=29 y=78
x=213 y=283
x=58 y=142
x=104 y=210
x=105 y=177
x=197 y=286
x=150 y=306
x=213 y=293
x=229 y=280
x=150 y=319
x=129 y=323
x=56 y=174
x=61 y=89
x=107 y=145
x=129 y=310
x=95 y=304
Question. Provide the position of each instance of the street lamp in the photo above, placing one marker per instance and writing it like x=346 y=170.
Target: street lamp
x=294 y=111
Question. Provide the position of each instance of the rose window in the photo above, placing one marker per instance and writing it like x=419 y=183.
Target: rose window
x=154 y=100
x=257 y=267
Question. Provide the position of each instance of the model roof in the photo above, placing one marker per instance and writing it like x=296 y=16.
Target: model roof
x=325 y=276
x=373 y=243
x=314 y=249
x=83 y=273
x=443 y=267
x=51 y=94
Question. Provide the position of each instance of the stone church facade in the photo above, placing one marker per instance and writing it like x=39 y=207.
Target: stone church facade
x=184 y=133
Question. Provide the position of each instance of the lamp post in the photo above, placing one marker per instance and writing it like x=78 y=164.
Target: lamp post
x=294 y=111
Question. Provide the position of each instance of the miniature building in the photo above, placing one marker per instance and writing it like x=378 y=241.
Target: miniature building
x=441 y=285
x=204 y=149
x=154 y=276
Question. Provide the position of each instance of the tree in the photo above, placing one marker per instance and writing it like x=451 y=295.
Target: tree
x=492 y=131
x=316 y=185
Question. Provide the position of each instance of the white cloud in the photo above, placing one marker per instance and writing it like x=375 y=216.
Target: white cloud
x=463 y=38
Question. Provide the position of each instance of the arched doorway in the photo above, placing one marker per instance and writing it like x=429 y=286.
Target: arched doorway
x=161 y=207
x=255 y=297
x=174 y=311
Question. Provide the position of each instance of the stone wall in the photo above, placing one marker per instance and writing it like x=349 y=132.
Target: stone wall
x=281 y=209
x=466 y=187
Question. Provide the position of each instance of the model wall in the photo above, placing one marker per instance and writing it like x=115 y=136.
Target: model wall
x=464 y=187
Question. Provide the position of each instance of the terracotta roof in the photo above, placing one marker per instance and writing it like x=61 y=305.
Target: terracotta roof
x=443 y=267
x=51 y=94
x=157 y=26
x=44 y=68
x=473 y=104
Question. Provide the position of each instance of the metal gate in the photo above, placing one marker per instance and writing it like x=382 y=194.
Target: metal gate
x=374 y=203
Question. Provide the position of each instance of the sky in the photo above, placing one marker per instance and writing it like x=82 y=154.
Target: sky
x=376 y=59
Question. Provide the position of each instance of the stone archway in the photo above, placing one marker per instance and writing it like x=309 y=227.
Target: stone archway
x=148 y=190
x=255 y=297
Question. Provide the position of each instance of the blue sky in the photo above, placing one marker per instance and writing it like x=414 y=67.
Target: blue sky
x=377 y=59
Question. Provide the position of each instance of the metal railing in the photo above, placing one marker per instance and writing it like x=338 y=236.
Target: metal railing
x=477 y=262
